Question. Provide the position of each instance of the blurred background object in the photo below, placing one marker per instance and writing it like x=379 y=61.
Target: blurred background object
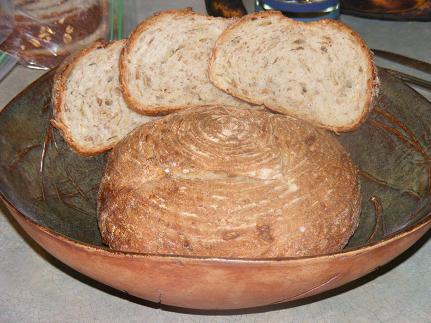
x=7 y=62
x=305 y=10
x=46 y=31
x=40 y=34
x=7 y=21
x=384 y=6
x=225 y=8
x=414 y=10
x=419 y=10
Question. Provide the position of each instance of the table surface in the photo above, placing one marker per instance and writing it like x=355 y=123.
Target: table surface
x=35 y=287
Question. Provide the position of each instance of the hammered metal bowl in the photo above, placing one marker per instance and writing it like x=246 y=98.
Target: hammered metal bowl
x=51 y=192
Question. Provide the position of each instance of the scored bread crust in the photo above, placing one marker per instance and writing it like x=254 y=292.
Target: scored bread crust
x=133 y=103
x=226 y=182
x=58 y=96
x=373 y=82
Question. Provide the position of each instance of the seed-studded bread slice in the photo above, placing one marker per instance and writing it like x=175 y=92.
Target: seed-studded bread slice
x=89 y=109
x=164 y=65
x=321 y=71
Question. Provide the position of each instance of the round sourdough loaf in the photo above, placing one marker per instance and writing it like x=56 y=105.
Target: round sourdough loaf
x=227 y=182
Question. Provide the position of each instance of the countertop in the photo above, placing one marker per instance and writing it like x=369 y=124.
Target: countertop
x=35 y=287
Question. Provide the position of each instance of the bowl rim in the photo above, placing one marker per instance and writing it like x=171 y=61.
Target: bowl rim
x=426 y=220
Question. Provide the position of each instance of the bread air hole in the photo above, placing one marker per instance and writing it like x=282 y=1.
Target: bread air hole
x=147 y=81
x=230 y=235
x=299 y=41
x=311 y=139
x=265 y=23
x=264 y=232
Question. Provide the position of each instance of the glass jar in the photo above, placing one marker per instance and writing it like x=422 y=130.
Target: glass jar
x=305 y=10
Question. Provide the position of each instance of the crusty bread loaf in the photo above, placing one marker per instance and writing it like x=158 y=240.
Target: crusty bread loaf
x=226 y=182
x=321 y=71
x=164 y=65
x=89 y=109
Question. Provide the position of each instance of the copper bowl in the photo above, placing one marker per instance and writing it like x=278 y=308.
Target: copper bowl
x=51 y=192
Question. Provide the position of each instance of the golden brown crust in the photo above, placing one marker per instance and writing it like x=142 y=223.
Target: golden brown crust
x=128 y=49
x=373 y=82
x=226 y=182
x=59 y=90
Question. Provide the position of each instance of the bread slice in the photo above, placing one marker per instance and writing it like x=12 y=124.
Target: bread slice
x=321 y=71
x=164 y=65
x=89 y=109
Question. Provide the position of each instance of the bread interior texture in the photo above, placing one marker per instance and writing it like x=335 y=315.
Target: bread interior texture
x=94 y=111
x=318 y=72
x=166 y=65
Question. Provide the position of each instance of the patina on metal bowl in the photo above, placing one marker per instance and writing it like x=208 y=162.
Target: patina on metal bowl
x=51 y=192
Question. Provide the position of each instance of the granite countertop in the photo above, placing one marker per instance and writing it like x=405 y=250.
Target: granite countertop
x=35 y=287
